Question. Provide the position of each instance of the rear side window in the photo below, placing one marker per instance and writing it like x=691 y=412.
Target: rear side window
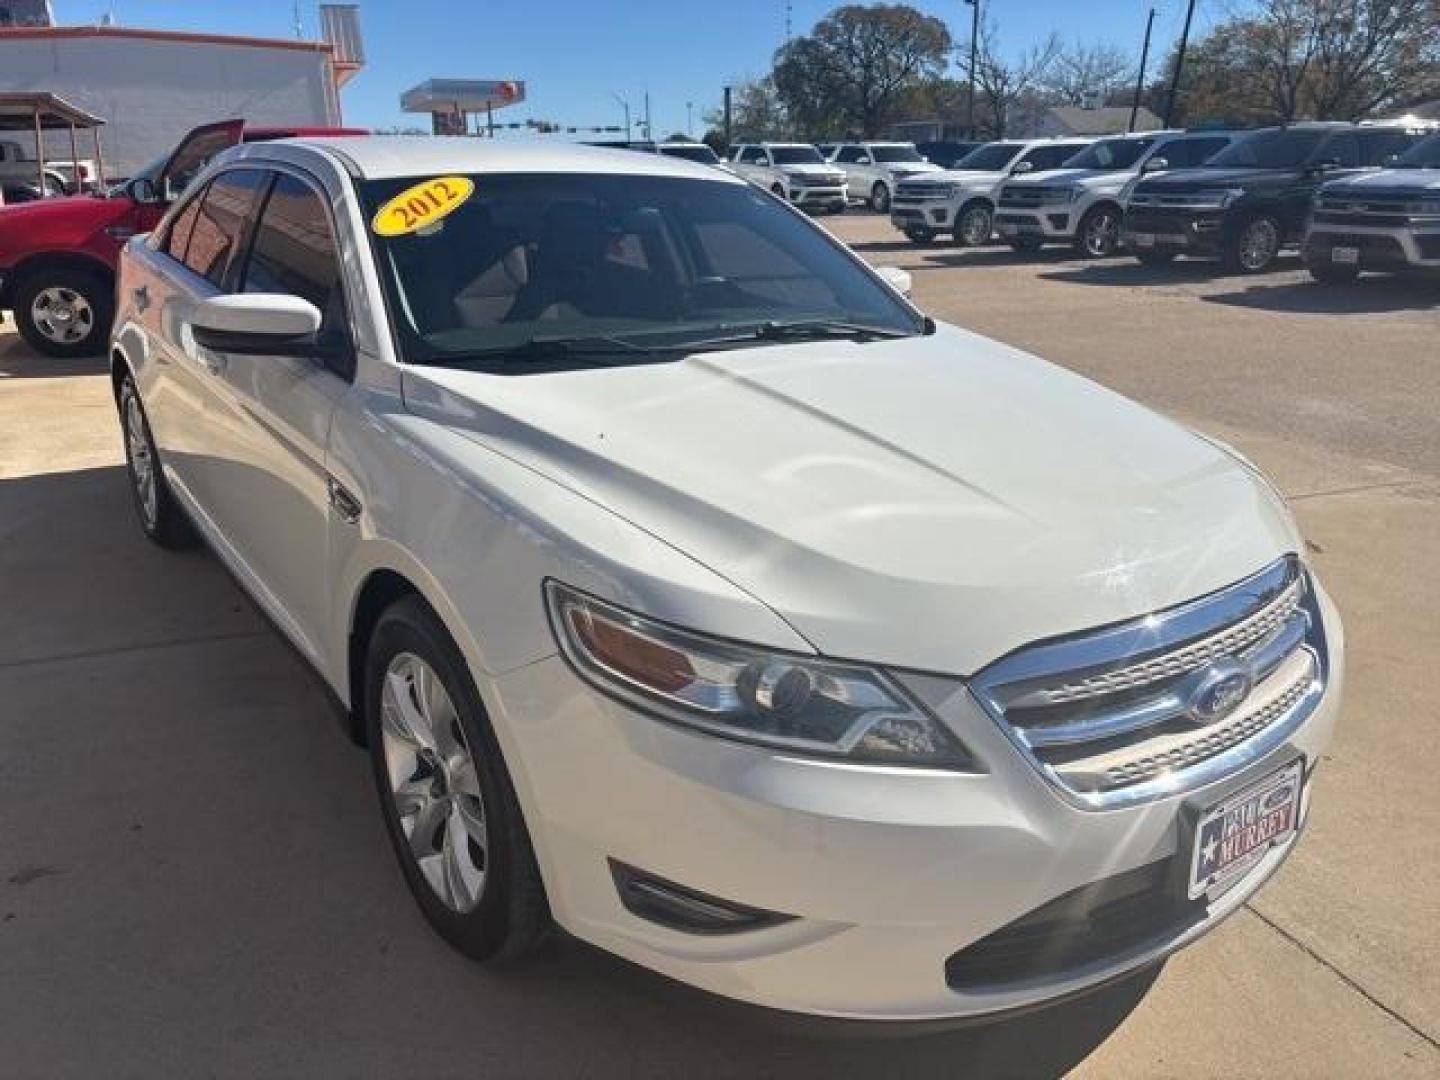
x=178 y=234
x=294 y=251
x=220 y=222
x=849 y=153
x=1050 y=157
x=1185 y=153
x=1343 y=150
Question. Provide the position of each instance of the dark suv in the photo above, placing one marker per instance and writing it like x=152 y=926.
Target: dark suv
x=1251 y=199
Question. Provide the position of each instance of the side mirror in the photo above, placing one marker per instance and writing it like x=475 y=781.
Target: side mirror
x=897 y=279
x=1022 y=167
x=142 y=190
x=258 y=324
x=1155 y=164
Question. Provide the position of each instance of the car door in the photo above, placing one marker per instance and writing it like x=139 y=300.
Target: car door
x=191 y=155
x=271 y=487
x=192 y=258
x=849 y=159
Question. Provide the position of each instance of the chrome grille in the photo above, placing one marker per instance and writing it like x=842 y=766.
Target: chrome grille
x=1032 y=195
x=1115 y=716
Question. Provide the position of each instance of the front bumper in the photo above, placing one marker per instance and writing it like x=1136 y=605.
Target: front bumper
x=828 y=197
x=1415 y=248
x=1052 y=222
x=1193 y=232
x=891 y=875
x=906 y=215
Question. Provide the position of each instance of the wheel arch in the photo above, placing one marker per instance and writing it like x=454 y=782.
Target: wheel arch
x=382 y=587
x=42 y=261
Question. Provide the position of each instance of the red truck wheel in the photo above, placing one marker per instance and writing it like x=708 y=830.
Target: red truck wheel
x=64 y=311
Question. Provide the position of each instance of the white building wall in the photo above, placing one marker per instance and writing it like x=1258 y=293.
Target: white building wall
x=151 y=91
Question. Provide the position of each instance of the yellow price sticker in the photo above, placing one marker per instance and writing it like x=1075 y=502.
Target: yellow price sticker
x=421 y=204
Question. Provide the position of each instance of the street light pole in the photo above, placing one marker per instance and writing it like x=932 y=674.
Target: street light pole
x=974 y=35
x=1140 y=79
x=690 y=118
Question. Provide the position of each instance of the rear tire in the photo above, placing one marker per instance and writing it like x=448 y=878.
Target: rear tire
x=160 y=515
x=1328 y=273
x=65 y=311
x=880 y=198
x=433 y=750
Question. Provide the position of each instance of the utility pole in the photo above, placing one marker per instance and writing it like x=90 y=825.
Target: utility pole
x=649 y=131
x=1140 y=79
x=690 y=118
x=728 y=139
x=1179 y=65
x=974 y=41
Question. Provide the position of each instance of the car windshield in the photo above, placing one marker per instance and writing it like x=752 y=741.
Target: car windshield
x=796 y=155
x=1110 y=154
x=992 y=157
x=1423 y=155
x=1278 y=148
x=896 y=153
x=702 y=154
x=621 y=266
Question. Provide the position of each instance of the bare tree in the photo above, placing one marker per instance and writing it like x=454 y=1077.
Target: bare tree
x=755 y=114
x=1001 y=85
x=1085 y=73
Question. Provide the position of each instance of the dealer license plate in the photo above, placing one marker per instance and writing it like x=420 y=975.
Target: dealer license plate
x=1143 y=239
x=1233 y=835
x=1018 y=228
x=1347 y=255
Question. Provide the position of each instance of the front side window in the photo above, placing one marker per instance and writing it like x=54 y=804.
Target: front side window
x=294 y=251
x=638 y=262
x=752 y=155
x=992 y=157
x=1343 y=150
x=1051 y=157
x=178 y=234
x=1186 y=153
x=850 y=154
x=1110 y=154
x=1423 y=155
x=795 y=155
x=1276 y=148
x=893 y=154
x=219 y=224
x=1377 y=145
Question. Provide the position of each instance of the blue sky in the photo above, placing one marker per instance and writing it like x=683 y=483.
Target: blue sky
x=574 y=55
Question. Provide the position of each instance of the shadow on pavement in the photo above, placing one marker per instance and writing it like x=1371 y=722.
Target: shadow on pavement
x=996 y=255
x=1368 y=295
x=19 y=361
x=195 y=880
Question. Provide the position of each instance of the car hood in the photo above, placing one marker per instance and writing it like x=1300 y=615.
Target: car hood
x=1088 y=178
x=1387 y=181
x=809 y=170
x=965 y=176
x=929 y=503
x=910 y=168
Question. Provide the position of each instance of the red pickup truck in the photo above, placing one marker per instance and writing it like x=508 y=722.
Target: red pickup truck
x=58 y=256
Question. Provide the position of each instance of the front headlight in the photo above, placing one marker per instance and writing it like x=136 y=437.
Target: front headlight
x=1424 y=212
x=1070 y=194
x=747 y=692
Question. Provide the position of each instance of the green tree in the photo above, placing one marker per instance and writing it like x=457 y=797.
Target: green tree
x=755 y=115
x=854 y=72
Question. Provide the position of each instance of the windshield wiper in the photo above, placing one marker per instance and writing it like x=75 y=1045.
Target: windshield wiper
x=799 y=330
x=551 y=347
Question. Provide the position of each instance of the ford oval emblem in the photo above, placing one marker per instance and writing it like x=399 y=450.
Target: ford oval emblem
x=1222 y=686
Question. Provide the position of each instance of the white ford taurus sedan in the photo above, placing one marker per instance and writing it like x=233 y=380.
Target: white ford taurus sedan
x=693 y=591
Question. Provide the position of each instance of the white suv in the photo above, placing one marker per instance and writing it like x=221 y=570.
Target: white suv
x=793 y=171
x=872 y=169
x=691 y=589
x=961 y=201
x=1082 y=202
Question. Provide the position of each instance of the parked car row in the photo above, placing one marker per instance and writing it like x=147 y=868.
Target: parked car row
x=1350 y=196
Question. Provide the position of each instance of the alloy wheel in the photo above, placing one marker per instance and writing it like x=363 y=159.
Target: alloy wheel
x=142 y=459
x=434 y=783
x=880 y=198
x=1102 y=234
x=1258 y=244
x=976 y=226
x=62 y=315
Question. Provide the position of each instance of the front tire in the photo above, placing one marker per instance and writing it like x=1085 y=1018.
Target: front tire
x=160 y=515
x=1099 y=234
x=446 y=797
x=65 y=311
x=975 y=225
x=1254 y=246
x=880 y=199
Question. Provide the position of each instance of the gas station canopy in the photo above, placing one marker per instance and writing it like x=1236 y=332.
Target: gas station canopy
x=462 y=95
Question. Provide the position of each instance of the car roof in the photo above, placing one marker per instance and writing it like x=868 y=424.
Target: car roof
x=377 y=157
